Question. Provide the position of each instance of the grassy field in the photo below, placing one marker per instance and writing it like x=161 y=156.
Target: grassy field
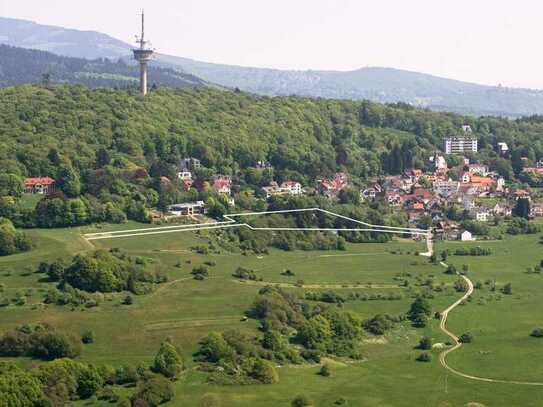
x=186 y=310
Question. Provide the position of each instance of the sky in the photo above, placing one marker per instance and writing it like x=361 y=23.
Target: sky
x=484 y=41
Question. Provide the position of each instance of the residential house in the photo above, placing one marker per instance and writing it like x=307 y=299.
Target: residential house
x=466 y=236
x=536 y=211
x=485 y=183
x=292 y=187
x=503 y=148
x=371 y=192
x=482 y=214
x=286 y=188
x=39 y=185
x=502 y=210
x=416 y=207
x=187 y=209
x=332 y=187
x=263 y=165
x=186 y=184
x=393 y=198
x=478 y=169
x=422 y=194
x=412 y=173
x=466 y=178
x=184 y=175
x=190 y=163
x=222 y=184
x=446 y=188
x=440 y=163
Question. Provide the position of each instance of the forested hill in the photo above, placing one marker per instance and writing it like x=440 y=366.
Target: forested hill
x=377 y=84
x=302 y=138
x=22 y=66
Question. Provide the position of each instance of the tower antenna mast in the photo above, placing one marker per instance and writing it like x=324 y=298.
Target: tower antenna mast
x=143 y=55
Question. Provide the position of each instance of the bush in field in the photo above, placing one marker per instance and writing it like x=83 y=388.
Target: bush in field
x=424 y=357
x=325 y=370
x=419 y=312
x=168 y=361
x=39 y=341
x=87 y=337
x=466 y=338
x=12 y=241
x=301 y=401
x=425 y=343
x=153 y=391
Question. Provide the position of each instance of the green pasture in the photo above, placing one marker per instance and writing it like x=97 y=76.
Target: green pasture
x=186 y=310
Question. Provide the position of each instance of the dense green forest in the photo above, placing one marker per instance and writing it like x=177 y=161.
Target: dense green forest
x=108 y=148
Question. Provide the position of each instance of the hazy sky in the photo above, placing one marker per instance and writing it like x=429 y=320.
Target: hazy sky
x=484 y=41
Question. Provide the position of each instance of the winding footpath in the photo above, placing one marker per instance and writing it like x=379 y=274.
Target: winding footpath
x=457 y=344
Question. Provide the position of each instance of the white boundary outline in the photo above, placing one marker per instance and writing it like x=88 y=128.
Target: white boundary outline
x=231 y=222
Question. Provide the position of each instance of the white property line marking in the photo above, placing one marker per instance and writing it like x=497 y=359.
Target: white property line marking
x=157 y=228
x=232 y=223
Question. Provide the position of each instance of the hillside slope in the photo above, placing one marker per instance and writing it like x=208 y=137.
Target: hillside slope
x=377 y=84
x=62 y=41
x=21 y=66
x=303 y=138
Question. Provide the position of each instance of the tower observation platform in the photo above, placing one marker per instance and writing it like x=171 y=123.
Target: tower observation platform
x=143 y=55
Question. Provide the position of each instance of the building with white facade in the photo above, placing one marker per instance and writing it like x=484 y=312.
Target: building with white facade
x=460 y=145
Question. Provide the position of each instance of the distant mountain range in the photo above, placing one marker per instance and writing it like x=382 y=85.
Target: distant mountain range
x=20 y=66
x=378 y=84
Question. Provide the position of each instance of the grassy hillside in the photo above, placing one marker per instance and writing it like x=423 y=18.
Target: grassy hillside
x=186 y=310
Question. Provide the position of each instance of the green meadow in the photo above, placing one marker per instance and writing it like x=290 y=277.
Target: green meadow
x=186 y=310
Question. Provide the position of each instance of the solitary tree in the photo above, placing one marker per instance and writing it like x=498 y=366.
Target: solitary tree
x=301 y=401
x=325 y=370
x=425 y=343
x=168 y=362
x=507 y=289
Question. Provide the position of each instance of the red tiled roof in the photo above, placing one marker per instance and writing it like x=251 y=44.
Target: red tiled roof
x=29 y=182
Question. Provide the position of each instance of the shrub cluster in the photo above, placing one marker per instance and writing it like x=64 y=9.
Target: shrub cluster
x=473 y=251
x=104 y=271
x=39 y=341
x=12 y=241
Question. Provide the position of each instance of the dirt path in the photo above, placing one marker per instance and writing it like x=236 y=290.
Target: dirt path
x=457 y=344
x=318 y=286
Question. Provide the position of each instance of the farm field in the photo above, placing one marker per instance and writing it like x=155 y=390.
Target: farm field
x=186 y=310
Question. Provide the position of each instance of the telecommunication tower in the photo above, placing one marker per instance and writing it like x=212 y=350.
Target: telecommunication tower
x=143 y=55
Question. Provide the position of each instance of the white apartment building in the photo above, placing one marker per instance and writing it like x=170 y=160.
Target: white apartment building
x=460 y=145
